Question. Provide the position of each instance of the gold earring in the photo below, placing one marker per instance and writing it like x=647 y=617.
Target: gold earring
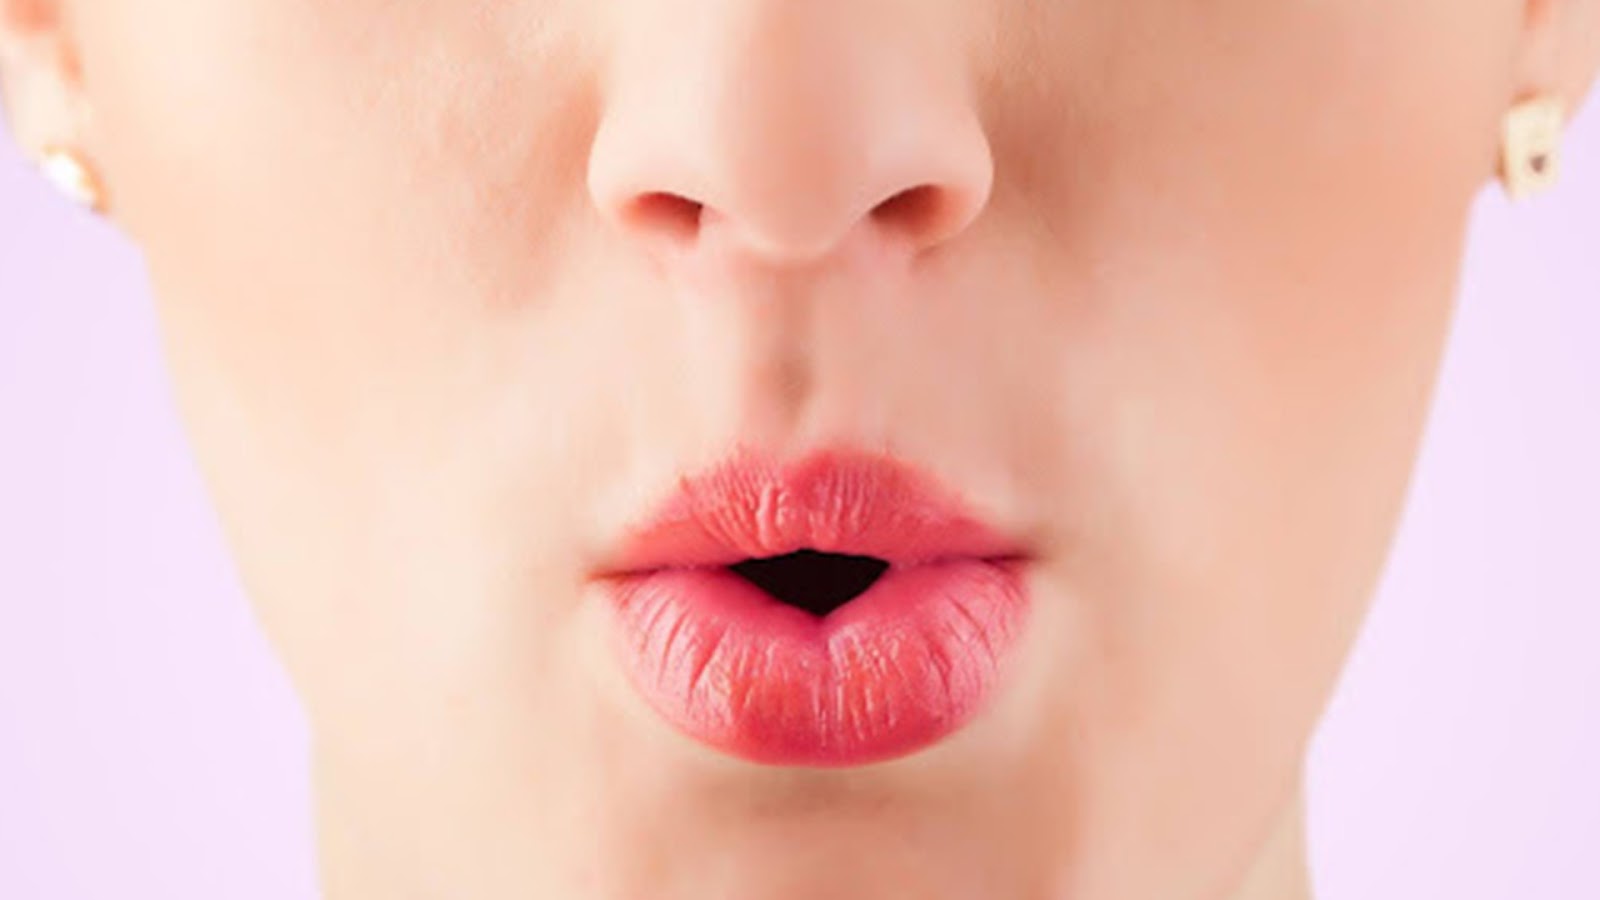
x=1530 y=152
x=72 y=174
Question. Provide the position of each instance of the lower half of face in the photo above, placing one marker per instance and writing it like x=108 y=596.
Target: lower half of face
x=455 y=295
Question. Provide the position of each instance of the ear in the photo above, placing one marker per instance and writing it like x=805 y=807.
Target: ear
x=1561 y=50
x=40 y=79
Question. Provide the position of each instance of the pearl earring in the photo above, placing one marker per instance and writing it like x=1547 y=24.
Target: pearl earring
x=72 y=174
x=1531 y=146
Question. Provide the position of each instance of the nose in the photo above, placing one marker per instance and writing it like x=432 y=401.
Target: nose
x=787 y=129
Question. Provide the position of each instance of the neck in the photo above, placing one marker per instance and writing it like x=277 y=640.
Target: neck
x=1279 y=871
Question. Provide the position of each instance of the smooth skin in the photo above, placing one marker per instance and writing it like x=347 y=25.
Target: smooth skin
x=452 y=289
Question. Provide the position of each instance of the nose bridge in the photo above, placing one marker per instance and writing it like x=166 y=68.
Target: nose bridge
x=788 y=125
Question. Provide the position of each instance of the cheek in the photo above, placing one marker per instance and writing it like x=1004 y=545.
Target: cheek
x=1287 y=283
x=334 y=200
x=1269 y=210
x=310 y=151
x=1267 y=226
x=344 y=225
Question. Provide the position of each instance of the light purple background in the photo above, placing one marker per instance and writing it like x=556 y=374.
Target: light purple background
x=151 y=749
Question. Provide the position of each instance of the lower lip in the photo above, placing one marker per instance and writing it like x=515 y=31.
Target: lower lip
x=895 y=670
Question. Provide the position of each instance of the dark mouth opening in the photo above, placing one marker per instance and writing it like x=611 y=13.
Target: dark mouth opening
x=816 y=582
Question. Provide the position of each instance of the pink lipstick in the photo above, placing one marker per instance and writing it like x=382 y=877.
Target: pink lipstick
x=837 y=610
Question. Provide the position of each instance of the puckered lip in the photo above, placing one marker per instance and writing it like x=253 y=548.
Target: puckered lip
x=754 y=505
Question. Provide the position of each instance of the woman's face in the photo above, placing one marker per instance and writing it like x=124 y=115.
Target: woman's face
x=1162 y=288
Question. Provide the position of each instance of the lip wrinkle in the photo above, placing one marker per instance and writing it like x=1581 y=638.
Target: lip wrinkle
x=705 y=655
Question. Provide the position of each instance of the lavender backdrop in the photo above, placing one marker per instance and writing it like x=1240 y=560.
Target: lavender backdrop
x=150 y=748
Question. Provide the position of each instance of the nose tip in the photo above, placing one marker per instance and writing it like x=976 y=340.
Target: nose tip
x=790 y=142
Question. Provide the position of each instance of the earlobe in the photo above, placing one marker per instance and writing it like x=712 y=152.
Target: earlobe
x=1561 y=50
x=1587 y=41
x=42 y=88
x=40 y=77
x=1580 y=46
x=1558 y=54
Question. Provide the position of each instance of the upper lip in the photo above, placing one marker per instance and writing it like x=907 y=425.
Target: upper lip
x=751 y=505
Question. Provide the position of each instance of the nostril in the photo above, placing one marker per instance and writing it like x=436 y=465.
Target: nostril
x=912 y=205
x=919 y=213
x=665 y=215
